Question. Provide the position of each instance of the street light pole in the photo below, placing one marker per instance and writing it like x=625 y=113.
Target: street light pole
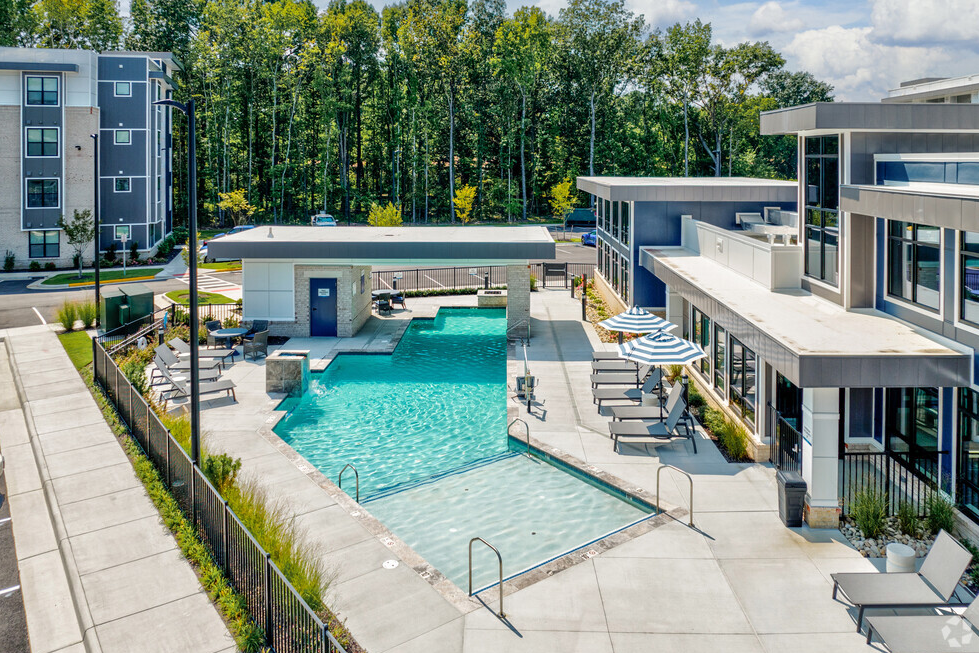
x=195 y=408
x=98 y=229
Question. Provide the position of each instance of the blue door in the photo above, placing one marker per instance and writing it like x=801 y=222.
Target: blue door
x=323 y=307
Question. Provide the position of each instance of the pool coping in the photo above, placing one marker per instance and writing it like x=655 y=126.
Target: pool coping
x=436 y=579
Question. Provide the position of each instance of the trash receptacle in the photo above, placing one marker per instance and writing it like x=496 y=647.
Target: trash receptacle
x=791 y=497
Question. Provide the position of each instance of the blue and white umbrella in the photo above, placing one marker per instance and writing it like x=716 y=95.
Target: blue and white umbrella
x=661 y=349
x=636 y=320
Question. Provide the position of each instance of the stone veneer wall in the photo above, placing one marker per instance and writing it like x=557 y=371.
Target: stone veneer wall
x=518 y=296
x=353 y=306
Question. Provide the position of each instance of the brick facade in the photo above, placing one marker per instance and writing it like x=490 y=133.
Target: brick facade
x=518 y=298
x=353 y=306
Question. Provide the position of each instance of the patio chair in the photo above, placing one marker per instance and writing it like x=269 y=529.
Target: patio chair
x=649 y=386
x=257 y=327
x=161 y=369
x=398 y=299
x=659 y=430
x=620 y=378
x=928 y=632
x=183 y=349
x=212 y=340
x=383 y=305
x=180 y=388
x=933 y=586
x=260 y=343
x=602 y=355
x=620 y=365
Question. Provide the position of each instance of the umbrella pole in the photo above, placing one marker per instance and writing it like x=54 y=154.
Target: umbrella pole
x=620 y=337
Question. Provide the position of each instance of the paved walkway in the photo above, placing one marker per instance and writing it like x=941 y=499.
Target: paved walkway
x=99 y=570
x=739 y=582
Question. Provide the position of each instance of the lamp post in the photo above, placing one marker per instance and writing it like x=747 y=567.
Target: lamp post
x=98 y=229
x=195 y=426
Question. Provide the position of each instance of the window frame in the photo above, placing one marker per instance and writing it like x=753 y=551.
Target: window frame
x=27 y=193
x=738 y=385
x=915 y=452
x=115 y=89
x=967 y=483
x=961 y=287
x=115 y=136
x=115 y=184
x=819 y=226
x=914 y=244
x=43 y=91
x=42 y=142
x=625 y=212
x=701 y=332
x=719 y=379
x=44 y=244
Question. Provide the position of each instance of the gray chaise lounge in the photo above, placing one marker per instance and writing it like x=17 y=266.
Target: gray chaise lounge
x=180 y=389
x=627 y=394
x=673 y=395
x=602 y=355
x=183 y=349
x=620 y=365
x=928 y=633
x=661 y=430
x=933 y=586
x=177 y=365
x=621 y=378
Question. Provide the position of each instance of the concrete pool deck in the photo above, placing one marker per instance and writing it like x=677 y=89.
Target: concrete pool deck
x=740 y=581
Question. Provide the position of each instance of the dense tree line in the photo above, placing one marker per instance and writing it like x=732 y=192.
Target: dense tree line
x=332 y=110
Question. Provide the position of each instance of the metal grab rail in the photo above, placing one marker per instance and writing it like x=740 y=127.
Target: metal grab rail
x=526 y=426
x=511 y=336
x=356 y=478
x=689 y=477
x=501 y=614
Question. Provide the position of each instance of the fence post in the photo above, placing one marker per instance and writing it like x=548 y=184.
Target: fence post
x=268 y=600
x=95 y=359
x=166 y=447
x=225 y=539
x=584 y=288
x=194 y=471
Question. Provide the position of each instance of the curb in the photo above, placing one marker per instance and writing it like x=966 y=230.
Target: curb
x=86 y=624
x=39 y=284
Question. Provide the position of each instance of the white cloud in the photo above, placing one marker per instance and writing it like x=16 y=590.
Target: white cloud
x=663 y=13
x=771 y=18
x=860 y=68
x=922 y=22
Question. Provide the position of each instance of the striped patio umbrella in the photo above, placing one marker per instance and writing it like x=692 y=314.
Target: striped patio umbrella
x=636 y=320
x=661 y=349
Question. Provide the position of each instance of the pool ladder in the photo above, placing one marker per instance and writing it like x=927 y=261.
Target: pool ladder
x=356 y=478
x=689 y=478
x=526 y=428
x=499 y=557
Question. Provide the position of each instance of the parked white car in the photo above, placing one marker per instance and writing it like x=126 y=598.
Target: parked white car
x=323 y=220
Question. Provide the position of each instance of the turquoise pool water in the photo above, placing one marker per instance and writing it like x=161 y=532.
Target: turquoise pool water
x=426 y=429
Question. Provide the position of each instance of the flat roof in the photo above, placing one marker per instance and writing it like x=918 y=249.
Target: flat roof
x=702 y=189
x=383 y=245
x=954 y=206
x=871 y=116
x=813 y=342
x=930 y=87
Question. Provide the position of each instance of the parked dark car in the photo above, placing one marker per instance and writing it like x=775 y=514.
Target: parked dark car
x=582 y=218
x=590 y=239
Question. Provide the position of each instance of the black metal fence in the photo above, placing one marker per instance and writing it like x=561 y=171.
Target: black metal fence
x=882 y=472
x=471 y=277
x=786 y=450
x=288 y=622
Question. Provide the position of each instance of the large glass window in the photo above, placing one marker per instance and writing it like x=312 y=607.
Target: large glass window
x=968 y=477
x=42 y=193
x=615 y=219
x=42 y=91
x=43 y=244
x=42 y=141
x=742 y=392
x=625 y=222
x=912 y=428
x=701 y=336
x=969 y=253
x=914 y=263
x=624 y=292
x=720 y=357
x=608 y=214
x=822 y=241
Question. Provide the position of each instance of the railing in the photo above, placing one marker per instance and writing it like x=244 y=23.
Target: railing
x=356 y=479
x=526 y=428
x=287 y=621
x=689 y=478
x=131 y=331
x=519 y=331
x=884 y=473
x=461 y=277
x=786 y=450
x=501 y=614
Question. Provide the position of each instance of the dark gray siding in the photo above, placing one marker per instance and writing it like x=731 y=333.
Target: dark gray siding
x=123 y=112
x=41 y=167
x=863 y=146
x=130 y=207
x=122 y=68
x=122 y=160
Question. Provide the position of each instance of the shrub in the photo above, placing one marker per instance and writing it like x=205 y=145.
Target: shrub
x=222 y=470
x=533 y=283
x=734 y=437
x=907 y=519
x=87 y=311
x=180 y=234
x=941 y=513
x=869 y=512
x=67 y=314
x=34 y=266
x=133 y=365
x=9 y=260
x=231 y=323
x=134 y=251
x=50 y=266
x=673 y=372
x=110 y=252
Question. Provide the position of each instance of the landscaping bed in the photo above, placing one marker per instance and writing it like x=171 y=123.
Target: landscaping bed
x=105 y=276
x=182 y=297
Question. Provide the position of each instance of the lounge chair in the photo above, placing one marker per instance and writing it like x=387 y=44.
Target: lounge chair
x=183 y=349
x=632 y=412
x=657 y=430
x=620 y=378
x=181 y=389
x=257 y=327
x=933 y=586
x=161 y=370
x=627 y=394
x=176 y=365
x=258 y=344
x=620 y=365
x=605 y=355
x=928 y=632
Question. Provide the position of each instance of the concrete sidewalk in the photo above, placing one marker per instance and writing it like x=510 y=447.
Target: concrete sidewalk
x=98 y=569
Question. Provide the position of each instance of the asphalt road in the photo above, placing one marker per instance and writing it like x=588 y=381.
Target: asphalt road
x=13 y=624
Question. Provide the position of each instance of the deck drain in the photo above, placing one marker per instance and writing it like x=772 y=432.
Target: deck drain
x=355 y=513
x=389 y=564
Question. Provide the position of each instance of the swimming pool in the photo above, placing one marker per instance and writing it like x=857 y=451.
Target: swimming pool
x=426 y=429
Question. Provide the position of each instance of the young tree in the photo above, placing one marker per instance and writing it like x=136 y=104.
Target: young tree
x=562 y=200
x=79 y=231
x=237 y=206
x=388 y=215
x=464 y=199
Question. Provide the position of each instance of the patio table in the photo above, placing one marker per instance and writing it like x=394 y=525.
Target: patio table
x=229 y=334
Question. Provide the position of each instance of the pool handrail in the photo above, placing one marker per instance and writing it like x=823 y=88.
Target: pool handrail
x=356 y=478
x=689 y=477
x=499 y=557
x=526 y=426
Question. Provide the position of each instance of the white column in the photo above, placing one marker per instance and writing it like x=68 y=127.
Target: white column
x=820 y=459
x=674 y=307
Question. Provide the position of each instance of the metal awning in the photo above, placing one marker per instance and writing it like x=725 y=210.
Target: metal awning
x=941 y=205
x=812 y=342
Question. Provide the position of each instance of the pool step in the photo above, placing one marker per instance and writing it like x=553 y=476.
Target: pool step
x=462 y=469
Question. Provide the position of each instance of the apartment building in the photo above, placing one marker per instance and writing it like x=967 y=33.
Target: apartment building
x=51 y=102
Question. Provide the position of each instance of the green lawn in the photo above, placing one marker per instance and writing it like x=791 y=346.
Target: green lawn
x=79 y=347
x=203 y=298
x=105 y=276
x=222 y=265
